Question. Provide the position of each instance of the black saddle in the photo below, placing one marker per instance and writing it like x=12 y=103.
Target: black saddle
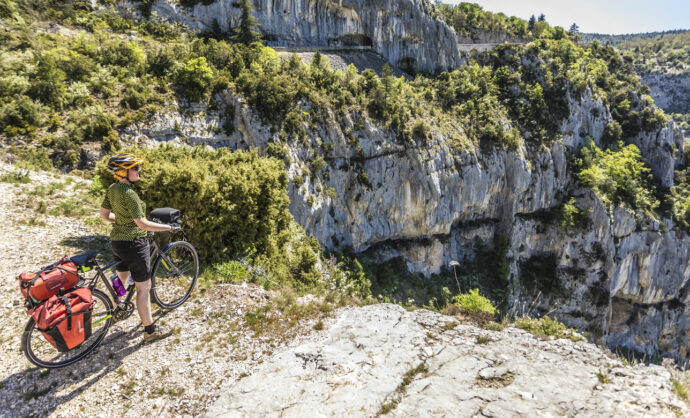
x=84 y=259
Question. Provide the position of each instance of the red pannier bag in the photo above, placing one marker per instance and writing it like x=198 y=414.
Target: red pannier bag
x=57 y=277
x=65 y=321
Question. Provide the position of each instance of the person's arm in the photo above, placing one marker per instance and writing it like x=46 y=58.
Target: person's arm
x=147 y=225
x=107 y=215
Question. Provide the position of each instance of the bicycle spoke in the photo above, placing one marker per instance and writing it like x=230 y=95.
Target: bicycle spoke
x=174 y=275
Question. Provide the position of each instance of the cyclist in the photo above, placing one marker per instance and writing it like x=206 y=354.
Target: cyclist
x=126 y=211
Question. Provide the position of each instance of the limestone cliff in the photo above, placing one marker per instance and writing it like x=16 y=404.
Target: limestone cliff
x=625 y=275
x=400 y=30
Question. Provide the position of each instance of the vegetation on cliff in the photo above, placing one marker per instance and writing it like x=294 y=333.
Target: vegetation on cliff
x=468 y=18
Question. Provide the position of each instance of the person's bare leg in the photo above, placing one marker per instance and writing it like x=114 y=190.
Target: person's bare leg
x=144 y=302
x=123 y=275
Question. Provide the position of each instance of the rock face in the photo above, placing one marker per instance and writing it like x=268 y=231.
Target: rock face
x=624 y=275
x=396 y=29
x=383 y=359
x=670 y=90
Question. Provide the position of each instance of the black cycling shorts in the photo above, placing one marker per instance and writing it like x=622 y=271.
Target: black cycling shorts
x=133 y=256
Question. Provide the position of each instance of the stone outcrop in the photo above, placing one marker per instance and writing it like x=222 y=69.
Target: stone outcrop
x=383 y=359
x=400 y=30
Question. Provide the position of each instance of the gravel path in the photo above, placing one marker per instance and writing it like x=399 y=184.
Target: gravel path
x=180 y=375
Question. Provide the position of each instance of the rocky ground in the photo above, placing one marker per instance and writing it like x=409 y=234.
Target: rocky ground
x=381 y=359
x=378 y=359
x=180 y=375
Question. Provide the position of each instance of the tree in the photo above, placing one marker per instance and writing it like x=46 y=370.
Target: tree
x=542 y=18
x=532 y=22
x=245 y=32
x=574 y=28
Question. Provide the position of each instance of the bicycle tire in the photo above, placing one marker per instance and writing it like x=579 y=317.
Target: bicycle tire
x=174 y=275
x=41 y=353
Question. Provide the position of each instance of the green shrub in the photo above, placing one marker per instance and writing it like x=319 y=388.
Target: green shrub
x=48 y=86
x=231 y=201
x=473 y=302
x=546 y=327
x=133 y=99
x=617 y=176
x=16 y=177
x=420 y=130
x=90 y=123
x=231 y=272
x=572 y=217
x=195 y=78
x=20 y=117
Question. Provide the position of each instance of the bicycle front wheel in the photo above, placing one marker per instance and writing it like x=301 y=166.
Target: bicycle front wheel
x=43 y=354
x=174 y=275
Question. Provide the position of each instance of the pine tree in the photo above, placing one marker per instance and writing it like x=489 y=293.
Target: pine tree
x=245 y=32
x=532 y=22
x=542 y=18
x=574 y=28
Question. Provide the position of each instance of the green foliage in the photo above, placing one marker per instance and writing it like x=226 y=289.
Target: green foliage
x=466 y=18
x=572 y=217
x=232 y=271
x=195 y=78
x=546 y=327
x=473 y=302
x=420 y=130
x=90 y=123
x=17 y=177
x=679 y=198
x=617 y=176
x=232 y=201
x=20 y=117
x=133 y=98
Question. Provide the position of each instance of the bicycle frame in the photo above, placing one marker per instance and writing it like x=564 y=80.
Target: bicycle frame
x=100 y=273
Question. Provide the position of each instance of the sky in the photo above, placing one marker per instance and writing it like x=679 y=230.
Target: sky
x=599 y=16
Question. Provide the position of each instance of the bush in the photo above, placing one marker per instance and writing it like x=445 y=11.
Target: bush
x=231 y=272
x=231 y=201
x=89 y=124
x=133 y=99
x=473 y=302
x=572 y=217
x=546 y=327
x=20 y=117
x=617 y=176
x=420 y=130
x=195 y=78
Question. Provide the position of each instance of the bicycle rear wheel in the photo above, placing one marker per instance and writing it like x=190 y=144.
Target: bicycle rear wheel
x=174 y=275
x=41 y=353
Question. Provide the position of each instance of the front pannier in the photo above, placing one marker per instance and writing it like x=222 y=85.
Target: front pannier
x=65 y=320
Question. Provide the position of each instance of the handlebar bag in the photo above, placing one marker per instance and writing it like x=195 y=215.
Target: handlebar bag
x=166 y=215
x=65 y=321
x=48 y=282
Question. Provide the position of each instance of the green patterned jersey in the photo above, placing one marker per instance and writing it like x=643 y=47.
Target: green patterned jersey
x=124 y=202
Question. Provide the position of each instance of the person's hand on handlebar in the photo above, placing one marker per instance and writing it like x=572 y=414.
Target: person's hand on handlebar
x=175 y=228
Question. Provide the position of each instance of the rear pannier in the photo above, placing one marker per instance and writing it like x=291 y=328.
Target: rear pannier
x=50 y=281
x=65 y=320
